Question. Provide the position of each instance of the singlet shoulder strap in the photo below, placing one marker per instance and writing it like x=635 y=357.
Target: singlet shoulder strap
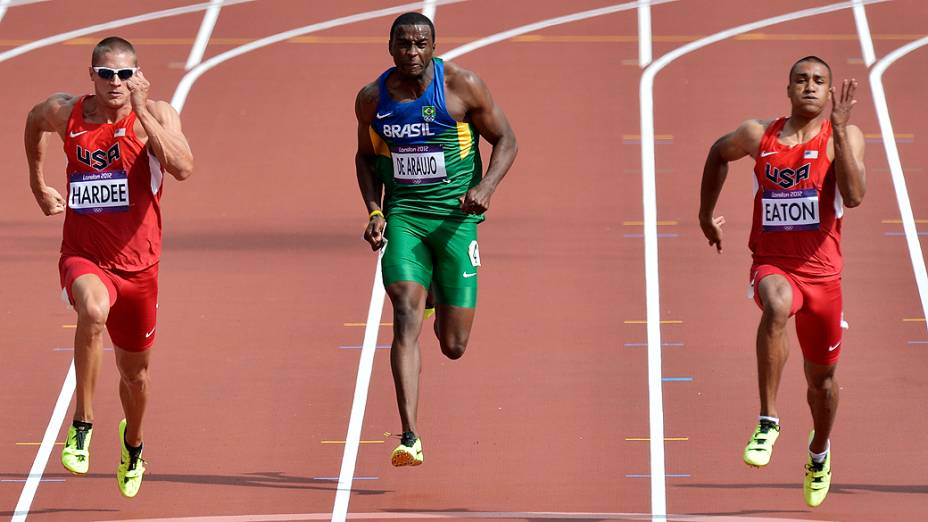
x=769 y=140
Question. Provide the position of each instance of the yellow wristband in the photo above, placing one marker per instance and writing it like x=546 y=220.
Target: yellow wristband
x=376 y=213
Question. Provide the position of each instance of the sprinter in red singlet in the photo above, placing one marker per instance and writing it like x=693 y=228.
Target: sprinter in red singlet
x=118 y=144
x=808 y=168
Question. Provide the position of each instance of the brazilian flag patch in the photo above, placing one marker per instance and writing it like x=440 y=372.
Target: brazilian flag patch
x=428 y=113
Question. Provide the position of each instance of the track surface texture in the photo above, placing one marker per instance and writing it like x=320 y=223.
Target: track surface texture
x=266 y=281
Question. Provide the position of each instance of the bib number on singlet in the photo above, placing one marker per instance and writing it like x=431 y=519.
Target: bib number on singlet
x=790 y=210
x=418 y=164
x=97 y=192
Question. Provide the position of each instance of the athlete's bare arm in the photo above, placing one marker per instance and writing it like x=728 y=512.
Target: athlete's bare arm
x=161 y=125
x=744 y=141
x=848 y=144
x=492 y=124
x=371 y=188
x=49 y=116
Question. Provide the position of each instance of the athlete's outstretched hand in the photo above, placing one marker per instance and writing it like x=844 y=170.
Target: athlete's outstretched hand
x=843 y=103
x=477 y=200
x=373 y=234
x=138 y=90
x=49 y=200
x=713 y=231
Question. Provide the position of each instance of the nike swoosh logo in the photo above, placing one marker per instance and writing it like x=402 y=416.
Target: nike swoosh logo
x=76 y=134
x=466 y=275
x=382 y=116
x=766 y=153
x=149 y=334
x=833 y=348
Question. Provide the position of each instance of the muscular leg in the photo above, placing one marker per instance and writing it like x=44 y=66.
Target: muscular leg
x=452 y=327
x=92 y=302
x=823 y=401
x=133 y=390
x=408 y=300
x=776 y=294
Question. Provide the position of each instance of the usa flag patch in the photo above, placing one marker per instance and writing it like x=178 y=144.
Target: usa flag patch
x=810 y=154
x=122 y=132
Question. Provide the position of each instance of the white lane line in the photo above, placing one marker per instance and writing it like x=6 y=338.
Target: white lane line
x=45 y=449
x=203 y=35
x=644 y=34
x=154 y=15
x=428 y=10
x=186 y=83
x=4 y=4
x=895 y=167
x=649 y=196
x=359 y=402
x=863 y=31
x=582 y=15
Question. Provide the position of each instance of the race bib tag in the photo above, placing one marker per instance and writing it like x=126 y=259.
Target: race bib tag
x=418 y=164
x=98 y=192
x=790 y=210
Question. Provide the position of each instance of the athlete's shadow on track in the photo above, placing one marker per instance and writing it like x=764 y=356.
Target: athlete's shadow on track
x=263 y=479
x=52 y=511
x=840 y=489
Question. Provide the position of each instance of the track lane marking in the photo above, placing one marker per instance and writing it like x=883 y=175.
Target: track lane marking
x=204 y=34
x=21 y=511
x=649 y=195
x=186 y=83
x=518 y=31
x=154 y=15
x=916 y=256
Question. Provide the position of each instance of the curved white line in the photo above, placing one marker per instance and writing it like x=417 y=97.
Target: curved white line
x=186 y=83
x=649 y=196
x=582 y=15
x=644 y=34
x=4 y=4
x=203 y=35
x=895 y=167
x=428 y=10
x=154 y=15
x=863 y=31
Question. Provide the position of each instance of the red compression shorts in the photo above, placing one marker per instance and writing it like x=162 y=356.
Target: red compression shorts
x=133 y=300
x=818 y=309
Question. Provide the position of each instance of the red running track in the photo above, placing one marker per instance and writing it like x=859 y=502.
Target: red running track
x=264 y=266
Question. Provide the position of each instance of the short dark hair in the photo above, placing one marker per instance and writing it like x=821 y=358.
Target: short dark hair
x=810 y=58
x=412 y=19
x=108 y=45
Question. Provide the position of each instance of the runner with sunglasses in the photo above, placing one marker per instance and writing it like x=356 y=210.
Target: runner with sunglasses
x=118 y=145
x=419 y=169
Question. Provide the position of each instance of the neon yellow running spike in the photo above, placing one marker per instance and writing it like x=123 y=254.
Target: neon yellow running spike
x=817 y=481
x=429 y=312
x=409 y=452
x=130 y=471
x=75 y=457
x=760 y=447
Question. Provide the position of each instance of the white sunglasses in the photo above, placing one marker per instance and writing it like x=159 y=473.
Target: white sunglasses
x=107 y=73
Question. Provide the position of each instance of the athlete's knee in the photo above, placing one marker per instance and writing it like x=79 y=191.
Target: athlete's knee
x=136 y=379
x=776 y=311
x=453 y=346
x=822 y=382
x=93 y=314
